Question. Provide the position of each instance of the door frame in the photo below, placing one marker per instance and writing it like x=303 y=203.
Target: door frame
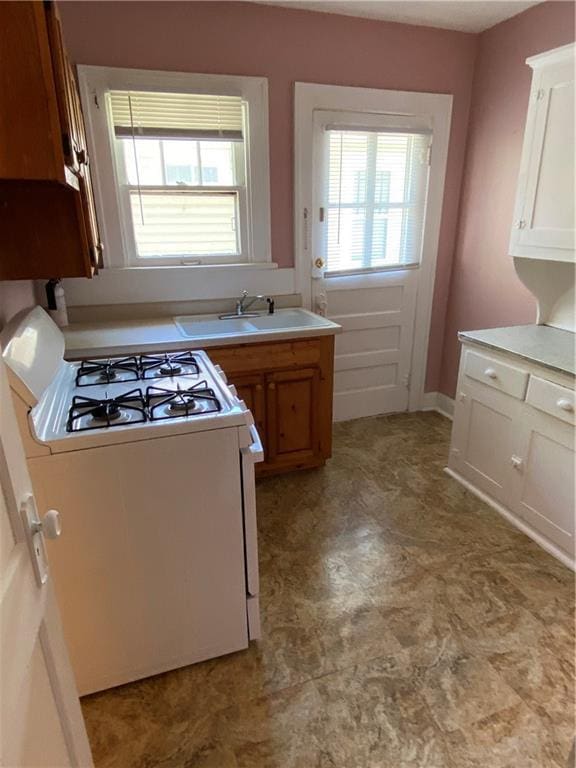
x=437 y=108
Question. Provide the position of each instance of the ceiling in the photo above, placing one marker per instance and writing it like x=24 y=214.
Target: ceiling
x=462 y=15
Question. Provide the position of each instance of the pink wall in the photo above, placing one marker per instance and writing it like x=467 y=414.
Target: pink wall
x=484 y=290
x=288 y=45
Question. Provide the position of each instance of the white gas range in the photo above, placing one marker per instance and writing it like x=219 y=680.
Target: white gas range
x=149 y=461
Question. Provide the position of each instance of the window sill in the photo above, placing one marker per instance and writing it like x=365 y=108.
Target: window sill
x=253 y=265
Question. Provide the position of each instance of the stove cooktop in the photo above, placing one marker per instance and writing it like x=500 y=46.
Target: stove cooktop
x=119 y=370
x=133 y=407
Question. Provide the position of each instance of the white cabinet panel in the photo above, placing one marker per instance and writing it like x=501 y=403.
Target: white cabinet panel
x=552 y=399
x=544 y=480
x=516 y=453
x=544 y=226
x=493 y=373
x=483 y=438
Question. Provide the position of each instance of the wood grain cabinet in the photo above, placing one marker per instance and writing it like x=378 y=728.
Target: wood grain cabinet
x=513 y=443
x=288 y=386
x=48 y=222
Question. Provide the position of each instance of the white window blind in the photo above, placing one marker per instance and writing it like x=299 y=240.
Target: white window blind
x=181 y=162
x=169 y=115
x=375 y=198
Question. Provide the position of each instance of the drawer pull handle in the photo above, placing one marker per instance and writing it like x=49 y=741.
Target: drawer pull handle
x=565 y=405
x=516 y=462
x=491 y=373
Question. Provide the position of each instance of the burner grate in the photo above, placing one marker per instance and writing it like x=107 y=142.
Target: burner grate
x=88 y=413
x=170 y=404
x=93 y=372
x=159 y=366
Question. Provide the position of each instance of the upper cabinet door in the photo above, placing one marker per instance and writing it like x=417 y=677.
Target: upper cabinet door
x=544 y=226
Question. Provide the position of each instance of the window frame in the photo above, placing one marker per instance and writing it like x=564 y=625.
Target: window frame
x=116 y=221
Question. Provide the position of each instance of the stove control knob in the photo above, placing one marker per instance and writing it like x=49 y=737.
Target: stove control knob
x=50 y=526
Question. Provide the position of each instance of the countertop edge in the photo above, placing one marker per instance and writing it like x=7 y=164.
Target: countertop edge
x=466 y=336
x=174 y=344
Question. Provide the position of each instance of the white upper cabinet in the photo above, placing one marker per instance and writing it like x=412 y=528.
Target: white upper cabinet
x=543 y=226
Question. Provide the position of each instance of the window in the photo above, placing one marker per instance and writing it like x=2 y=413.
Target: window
x=181 y=166
x=375 y=198
x=181 y=172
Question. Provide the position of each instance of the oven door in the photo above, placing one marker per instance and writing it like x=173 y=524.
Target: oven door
x=251 y=454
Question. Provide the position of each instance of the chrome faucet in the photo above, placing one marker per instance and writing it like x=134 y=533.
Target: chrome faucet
x=243 y=305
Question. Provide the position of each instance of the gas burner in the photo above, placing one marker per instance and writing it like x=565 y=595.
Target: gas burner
x=91 y=413
x=158 y=366
x=93 y=372
x=171 y=404
x=108 y=411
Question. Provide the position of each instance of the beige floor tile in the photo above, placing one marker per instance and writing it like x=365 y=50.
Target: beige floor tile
x=406 y=625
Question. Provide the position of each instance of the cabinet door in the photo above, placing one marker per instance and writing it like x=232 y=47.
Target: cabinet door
x=292 y=416
x=251 y=389
x=543 y=482
x=544 y=216
x=64 y=83
x=483 y=438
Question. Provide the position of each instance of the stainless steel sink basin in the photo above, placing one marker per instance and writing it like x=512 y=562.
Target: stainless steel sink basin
x=203 y=326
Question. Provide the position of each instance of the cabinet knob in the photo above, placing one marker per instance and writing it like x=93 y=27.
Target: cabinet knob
x=565 y=405
x=258 y=387
x=491 y=373
x=516 y=462
x=272 y=385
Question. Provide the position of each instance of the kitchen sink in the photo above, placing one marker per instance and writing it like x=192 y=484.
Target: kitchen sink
x=201 y=326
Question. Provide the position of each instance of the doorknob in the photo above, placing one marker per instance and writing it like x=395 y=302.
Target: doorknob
x=35 y=531
x=50 y=525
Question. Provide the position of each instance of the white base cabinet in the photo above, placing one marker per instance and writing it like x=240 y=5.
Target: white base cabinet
x=513 y=443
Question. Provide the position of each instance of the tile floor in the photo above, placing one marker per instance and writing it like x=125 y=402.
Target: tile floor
x=406 y=625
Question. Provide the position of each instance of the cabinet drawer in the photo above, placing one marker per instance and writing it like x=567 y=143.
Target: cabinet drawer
x=551 y=398
x=493 y=373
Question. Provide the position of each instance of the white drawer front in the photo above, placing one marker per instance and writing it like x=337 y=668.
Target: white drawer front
x=551 y=398
x=493 y=373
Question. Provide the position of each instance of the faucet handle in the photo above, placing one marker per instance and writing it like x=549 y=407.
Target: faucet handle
x=244 y=294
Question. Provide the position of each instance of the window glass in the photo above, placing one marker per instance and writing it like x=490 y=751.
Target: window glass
x=376 y=185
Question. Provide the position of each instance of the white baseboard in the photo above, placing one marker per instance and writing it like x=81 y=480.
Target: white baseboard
x=436 y=401
x=552 y=549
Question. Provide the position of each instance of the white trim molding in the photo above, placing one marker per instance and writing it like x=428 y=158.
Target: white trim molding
x=436 y=110
x=120 y=283
x=437 y=401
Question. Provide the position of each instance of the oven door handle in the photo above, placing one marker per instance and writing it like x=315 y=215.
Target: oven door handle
x=254 y=451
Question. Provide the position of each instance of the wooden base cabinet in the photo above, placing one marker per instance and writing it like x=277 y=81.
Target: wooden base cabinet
x=513 y=443
x=288 y=386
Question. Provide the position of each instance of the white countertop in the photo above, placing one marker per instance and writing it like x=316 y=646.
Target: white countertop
x=550 y=347
x=130 y=337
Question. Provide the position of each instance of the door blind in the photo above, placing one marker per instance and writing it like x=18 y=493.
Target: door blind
x=175 y=115
x=375 y=198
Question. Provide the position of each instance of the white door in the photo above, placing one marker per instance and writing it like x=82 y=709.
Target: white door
x=370 y=171
x=41 y=720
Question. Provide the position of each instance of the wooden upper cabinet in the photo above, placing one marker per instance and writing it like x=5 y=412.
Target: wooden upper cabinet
x=31 y=126
x=48 y=222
